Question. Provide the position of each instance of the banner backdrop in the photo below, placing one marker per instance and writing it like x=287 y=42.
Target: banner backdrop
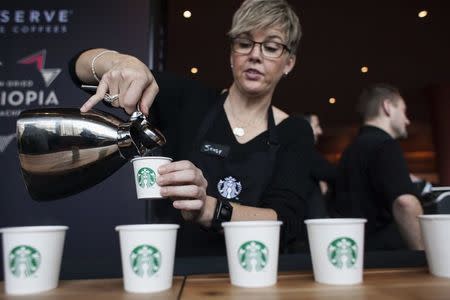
x=37 y=40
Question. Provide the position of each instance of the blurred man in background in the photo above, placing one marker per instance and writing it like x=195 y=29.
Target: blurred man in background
x=373 y=180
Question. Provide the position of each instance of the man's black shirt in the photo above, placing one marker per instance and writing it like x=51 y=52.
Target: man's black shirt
x=372 y=173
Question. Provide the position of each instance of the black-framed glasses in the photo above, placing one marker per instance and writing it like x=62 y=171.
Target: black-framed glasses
x=269 y=49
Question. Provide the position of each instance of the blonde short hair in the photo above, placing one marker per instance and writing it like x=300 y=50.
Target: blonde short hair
x=263 y=14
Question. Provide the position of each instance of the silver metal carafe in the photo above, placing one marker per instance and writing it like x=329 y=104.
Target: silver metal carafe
x=63 y=151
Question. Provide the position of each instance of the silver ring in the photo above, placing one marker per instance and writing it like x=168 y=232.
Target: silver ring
x=110 y=98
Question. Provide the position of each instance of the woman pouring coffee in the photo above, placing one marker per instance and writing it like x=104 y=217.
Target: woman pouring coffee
x=236 y=156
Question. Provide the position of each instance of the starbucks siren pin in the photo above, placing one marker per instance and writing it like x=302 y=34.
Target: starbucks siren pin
x=337 y=247
x=145 y=175
x=229 y=187
x=32 y=258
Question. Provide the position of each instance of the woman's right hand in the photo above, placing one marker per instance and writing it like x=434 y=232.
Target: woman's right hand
x=185 y=184
x=128 y=77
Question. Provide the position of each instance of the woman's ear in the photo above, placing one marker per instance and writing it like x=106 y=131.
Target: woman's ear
x=289 y=64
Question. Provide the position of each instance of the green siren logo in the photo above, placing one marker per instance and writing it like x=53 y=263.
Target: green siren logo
x=24 y=261
x=343 y=252
x=145 y=259
x=146 y=177
x=253 y=256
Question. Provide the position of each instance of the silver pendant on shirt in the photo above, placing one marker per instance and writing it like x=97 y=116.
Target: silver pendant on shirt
x=238 y=131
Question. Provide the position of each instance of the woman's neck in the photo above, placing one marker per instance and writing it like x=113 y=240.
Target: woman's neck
x=247 y=105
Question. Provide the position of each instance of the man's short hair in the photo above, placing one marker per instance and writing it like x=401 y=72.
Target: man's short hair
x=372 y=97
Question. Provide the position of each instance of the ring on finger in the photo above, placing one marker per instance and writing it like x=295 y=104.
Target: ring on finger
x=110 y=98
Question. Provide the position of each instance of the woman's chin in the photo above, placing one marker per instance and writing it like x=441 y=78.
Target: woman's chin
x=253 y=88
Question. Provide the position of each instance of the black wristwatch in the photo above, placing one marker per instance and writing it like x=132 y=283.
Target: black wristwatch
x=222 y=213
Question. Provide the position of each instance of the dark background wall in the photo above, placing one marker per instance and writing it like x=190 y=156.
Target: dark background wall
x=339 y=37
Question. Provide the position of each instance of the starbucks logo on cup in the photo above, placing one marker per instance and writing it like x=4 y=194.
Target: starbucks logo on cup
x=146 y=177
x=343 y=252
x=24 y=261
x=253 y=256
x=145 y=259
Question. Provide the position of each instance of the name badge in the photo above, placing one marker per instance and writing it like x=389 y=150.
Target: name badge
x=215 y=149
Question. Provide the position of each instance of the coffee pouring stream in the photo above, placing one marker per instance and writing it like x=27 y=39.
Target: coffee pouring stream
x=63 y=151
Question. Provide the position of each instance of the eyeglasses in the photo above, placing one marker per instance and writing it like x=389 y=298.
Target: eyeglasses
x=268 y=49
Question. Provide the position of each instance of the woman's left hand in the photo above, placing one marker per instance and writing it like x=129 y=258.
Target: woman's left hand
x=184 y=183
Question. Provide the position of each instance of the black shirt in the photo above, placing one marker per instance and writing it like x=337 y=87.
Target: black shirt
x=372 y=173
x=322 y=169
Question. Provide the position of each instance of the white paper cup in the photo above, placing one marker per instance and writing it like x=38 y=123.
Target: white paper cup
x=32 y=258
x=252 y=252
x=435 y=230
x=145 y=174
x=337 y=250
x=148 y=254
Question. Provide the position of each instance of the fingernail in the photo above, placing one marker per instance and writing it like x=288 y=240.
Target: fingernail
x=163 y=191
x=161 y=170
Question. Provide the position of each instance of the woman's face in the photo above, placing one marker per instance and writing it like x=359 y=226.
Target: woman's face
x=256 y=74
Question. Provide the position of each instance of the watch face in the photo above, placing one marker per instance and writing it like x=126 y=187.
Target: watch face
x=222 y=213
x=226 y=210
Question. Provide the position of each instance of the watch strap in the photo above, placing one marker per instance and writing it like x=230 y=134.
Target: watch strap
x=222 y=213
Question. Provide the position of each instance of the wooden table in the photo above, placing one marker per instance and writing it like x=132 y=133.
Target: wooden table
x=379 y=284
x=399 y=284
x=96 y=289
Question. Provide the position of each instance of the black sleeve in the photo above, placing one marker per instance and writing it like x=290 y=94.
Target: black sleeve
x=390 y=175
x=290 y=183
